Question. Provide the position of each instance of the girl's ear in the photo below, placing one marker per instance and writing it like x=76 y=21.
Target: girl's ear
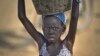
x=64 y=28
x=42 y=27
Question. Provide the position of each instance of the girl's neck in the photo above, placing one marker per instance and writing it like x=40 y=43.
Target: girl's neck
x=54 y=44
x=54 y=47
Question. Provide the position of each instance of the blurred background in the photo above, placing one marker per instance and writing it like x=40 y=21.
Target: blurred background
x=15 y=41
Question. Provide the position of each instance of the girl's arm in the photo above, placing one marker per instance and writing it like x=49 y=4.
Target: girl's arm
x=27 y=24
x=69 y=40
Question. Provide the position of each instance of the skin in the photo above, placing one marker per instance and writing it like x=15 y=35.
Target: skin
x=52 y=28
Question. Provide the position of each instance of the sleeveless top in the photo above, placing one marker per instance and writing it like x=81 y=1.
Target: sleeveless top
x=63 y=52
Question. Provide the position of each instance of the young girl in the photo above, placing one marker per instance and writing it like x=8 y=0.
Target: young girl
x=53 y=27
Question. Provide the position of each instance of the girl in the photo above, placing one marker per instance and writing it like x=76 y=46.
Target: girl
x=53 y=27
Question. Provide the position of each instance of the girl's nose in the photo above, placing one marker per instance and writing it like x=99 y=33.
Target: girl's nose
x=51 y=31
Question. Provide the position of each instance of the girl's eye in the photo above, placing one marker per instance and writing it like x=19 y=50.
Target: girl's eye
x=46 y=28
x=54 y=28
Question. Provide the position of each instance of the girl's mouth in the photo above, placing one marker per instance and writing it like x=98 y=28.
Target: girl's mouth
x=52 y=35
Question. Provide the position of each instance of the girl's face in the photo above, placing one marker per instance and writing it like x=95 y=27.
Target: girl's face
x=52 y=29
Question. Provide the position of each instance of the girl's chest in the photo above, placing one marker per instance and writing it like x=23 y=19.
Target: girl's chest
x=54 y=51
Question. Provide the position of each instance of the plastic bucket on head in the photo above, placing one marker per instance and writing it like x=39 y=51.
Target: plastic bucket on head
x=49 y=7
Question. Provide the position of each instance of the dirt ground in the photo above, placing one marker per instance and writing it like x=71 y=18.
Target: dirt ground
x=15 y=41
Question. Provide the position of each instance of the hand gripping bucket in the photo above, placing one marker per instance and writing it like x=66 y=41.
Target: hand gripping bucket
x=48 y=7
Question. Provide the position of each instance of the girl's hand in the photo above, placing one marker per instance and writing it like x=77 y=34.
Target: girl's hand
x=76 y=3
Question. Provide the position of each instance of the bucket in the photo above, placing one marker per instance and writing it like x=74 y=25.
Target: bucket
x=49 y=7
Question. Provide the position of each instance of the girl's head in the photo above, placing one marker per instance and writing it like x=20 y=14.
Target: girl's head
x=53 y=26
